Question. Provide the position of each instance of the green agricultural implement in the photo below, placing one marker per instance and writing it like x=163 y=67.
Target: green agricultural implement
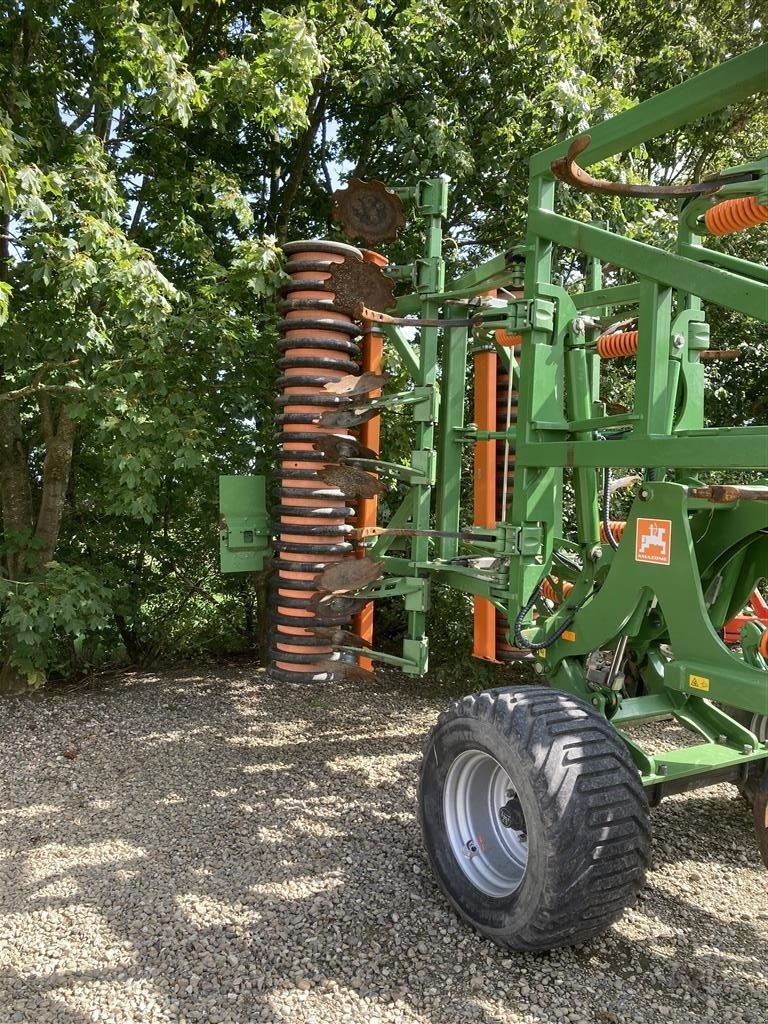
x=534 y=799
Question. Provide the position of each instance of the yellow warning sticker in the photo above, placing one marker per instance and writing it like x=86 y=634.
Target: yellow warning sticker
x=569 y=635
x=699 y=683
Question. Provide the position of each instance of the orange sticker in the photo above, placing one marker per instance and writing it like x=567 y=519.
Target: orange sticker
x=653 y=541
x=568 y=635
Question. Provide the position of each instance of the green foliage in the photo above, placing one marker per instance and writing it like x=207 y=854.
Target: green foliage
x=65 y=606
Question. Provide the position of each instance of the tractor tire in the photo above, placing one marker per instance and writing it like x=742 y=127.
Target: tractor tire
x=533 y=817
x=758 y=724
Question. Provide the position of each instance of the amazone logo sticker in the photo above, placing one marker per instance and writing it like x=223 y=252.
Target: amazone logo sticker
x=653 y=541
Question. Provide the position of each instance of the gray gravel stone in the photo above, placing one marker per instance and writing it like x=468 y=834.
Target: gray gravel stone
x=205 y=847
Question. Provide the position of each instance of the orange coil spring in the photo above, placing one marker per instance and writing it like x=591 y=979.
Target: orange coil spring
x=548 y=591
x=735 y=215
x=763 y=645
x=617 y=529
x=507 y=340
x=612 y=346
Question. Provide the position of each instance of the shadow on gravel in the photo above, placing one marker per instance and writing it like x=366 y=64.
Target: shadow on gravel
x=219 y=849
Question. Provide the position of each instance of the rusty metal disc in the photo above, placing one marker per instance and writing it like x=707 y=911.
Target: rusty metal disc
x=336 y=448
x=353 y=385
x=346 y=417
x=368 y=210
x=338 y=637
x=355 y=283
x=349 y=671
x=334 y=606
x=349 y=574
x=352 y=482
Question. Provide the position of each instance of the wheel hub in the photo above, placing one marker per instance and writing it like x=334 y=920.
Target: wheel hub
x=485 y=823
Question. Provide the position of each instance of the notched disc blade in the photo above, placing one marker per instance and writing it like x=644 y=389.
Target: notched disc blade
x=336 y=448
x=352 y=482
x=353 y=385
x=346 y=670
x=346 y=417
x=369 y=211
x=349 y=574
x=355 y=283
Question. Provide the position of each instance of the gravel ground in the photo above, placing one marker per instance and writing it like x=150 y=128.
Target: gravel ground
x=204 y=846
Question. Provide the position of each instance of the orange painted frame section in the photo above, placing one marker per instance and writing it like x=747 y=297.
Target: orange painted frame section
x=484 y=480
x=372 y=350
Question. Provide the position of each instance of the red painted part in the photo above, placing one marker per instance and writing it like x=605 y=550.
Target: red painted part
x=759 y=615
x=372 y=346
x=734 y=215
x=484 y=486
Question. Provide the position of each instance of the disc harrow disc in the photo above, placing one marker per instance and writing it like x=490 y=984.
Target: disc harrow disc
x=352 y=482
x=355 y=283
x=368 y=210
x=348 y=575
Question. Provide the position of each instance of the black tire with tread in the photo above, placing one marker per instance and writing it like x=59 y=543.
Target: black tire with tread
x=586 y=815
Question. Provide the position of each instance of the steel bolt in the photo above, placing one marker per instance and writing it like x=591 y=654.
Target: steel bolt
x=678 y=341
x=644 y=494
x=747 y=748
x=538 y=668
x=596 y=553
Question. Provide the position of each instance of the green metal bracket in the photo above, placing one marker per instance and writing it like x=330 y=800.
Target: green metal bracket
x=245 y=540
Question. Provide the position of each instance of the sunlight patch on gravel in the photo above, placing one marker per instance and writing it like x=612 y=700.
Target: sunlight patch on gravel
x=206 y=847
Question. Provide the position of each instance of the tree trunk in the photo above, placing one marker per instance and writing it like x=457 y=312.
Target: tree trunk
x=59 y=445
x=15 y=493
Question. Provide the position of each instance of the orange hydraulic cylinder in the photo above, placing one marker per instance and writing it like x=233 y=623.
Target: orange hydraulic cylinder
x=484 y=618
x=372 y=350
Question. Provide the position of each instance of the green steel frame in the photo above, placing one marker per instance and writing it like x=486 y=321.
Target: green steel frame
x=669 y=612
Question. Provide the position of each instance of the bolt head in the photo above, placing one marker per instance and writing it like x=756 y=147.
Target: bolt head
x=678 y=341
x=596 y=553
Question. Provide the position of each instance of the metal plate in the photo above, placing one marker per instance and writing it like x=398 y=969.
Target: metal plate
x=356 y=283
x=369 y=211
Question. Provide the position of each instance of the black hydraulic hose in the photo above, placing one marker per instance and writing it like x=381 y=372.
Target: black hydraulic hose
x=541 y=645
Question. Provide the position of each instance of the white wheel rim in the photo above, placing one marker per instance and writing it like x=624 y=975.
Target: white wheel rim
x=492 y=855
x=759 y=726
